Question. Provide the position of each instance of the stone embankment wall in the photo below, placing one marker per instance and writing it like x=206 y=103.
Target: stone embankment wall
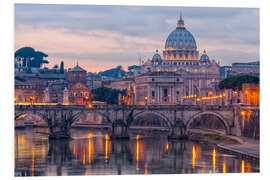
x=251 y=127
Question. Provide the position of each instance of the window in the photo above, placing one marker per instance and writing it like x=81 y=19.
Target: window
x=177 y=92
x=153 y=93
x=177 y=79
x=165 y=92
x=153 y=79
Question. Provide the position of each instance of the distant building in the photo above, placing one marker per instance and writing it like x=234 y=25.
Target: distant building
x=251 y=94
x=251 y=68
x=163 y=88
x=25 y=92
x=93 y=81
x=56 y=89
x=77 y=87
x=225 y=71
x=122 y=84
x=180 y=56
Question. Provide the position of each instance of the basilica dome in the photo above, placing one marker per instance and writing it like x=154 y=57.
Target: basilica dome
x=180 y=44
x=204 y=58
x=156 y=58
x=180 y=38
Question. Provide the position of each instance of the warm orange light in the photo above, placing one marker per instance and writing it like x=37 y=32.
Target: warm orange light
x=167 y=147
x=243 y=166
x=106 y=147
x=90 y=105
x=83 y=157
x=137 y=152
x=193 y=156
x=224 y=170
x=137 y=137
x=210 y=93
x=214 y=160
x=145 y=98
x=33 y=161
x=243 y=113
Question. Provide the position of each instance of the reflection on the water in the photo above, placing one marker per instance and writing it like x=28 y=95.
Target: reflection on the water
x=92 y=153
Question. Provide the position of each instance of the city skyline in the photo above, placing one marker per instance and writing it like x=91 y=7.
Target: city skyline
x=113 y=35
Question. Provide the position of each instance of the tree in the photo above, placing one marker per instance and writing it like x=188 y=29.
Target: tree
x=30 y=57
x=236 y=82
x=108 y=95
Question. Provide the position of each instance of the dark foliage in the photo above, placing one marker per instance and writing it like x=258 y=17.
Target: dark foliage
x=34 y=58
x=236 y=82
x=108 y=95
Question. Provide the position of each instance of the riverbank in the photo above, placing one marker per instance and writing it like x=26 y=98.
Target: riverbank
x=239 y=146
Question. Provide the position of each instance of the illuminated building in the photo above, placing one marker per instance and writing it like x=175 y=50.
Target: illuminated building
x=77 y=88
x=25 y=92
x=251 y=94
x=158 y=88
x=200 y=74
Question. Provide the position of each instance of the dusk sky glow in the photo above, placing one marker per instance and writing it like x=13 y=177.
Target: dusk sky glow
x=102 y=37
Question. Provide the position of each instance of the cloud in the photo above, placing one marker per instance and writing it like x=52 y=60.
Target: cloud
x=119 y=34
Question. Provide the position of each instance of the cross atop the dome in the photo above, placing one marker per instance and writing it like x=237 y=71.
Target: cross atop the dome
x=204 y=51
x=156 y=50
x=180 y=22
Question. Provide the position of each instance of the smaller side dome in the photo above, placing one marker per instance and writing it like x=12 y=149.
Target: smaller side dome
x=156 y=58
x=204 y=58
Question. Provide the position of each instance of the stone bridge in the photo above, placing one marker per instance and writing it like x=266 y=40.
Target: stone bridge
x=178 y=118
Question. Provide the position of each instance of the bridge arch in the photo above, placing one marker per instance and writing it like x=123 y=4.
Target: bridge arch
x=43 y=118
x=78 y=115
x=147 y=112
x=219 y=116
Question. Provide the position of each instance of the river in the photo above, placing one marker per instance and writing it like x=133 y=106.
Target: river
x=91 y=152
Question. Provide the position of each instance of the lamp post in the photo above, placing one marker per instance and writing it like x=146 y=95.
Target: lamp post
x=145 y=98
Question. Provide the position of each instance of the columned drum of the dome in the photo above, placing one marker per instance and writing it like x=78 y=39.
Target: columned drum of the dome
x=180 y=44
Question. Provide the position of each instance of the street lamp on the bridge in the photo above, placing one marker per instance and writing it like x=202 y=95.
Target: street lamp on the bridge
x=145 y=98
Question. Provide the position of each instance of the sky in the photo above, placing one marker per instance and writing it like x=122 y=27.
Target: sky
x=103 y=37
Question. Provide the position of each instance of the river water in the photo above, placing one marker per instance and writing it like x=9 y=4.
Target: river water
x=91 y=152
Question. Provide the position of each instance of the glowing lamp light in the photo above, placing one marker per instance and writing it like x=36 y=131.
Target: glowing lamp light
x=153 y=100
x=146 y=98
x=243 y=113
x=90 y=105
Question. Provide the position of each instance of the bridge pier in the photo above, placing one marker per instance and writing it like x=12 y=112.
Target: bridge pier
x=119 y=130
x=178 y=131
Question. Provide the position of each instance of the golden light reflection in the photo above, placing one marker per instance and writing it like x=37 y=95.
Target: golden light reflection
x=83 y=156
x=106 y=147
x=90 y=148
x=137 y=152
x=224 y=170
x=85 y=173
x=243 y=166
x=193 y=156
x=248 y=167
x=167 y=146
x=145 y=170
x=214 y=160
x=33 y=161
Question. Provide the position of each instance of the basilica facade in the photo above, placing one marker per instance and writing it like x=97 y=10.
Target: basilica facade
x=179 y=76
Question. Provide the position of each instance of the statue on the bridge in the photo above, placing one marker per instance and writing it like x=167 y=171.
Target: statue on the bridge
x=46 y=98
x=65 y=96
